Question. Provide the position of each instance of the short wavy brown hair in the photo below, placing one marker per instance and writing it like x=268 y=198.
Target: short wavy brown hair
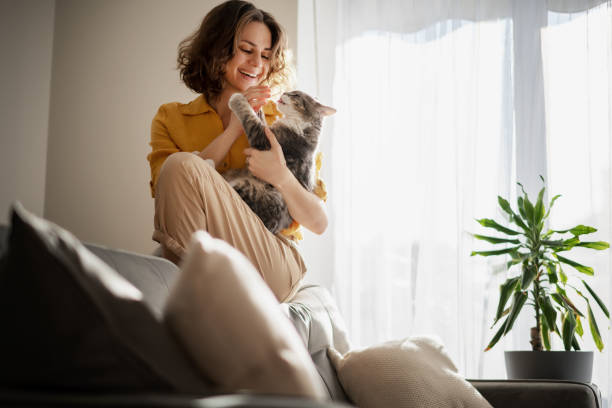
x=202 y=56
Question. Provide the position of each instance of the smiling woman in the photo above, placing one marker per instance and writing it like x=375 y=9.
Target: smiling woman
x=237 y=49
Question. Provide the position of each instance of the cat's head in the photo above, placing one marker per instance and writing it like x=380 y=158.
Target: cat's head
x=303 y=107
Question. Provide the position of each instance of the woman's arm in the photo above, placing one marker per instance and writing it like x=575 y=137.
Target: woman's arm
x=305 y=207
x=218 y=148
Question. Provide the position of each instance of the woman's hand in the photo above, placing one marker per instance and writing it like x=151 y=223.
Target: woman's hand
x=268 y=165
x=220 y=146
x=305 y=207
x=257 y=96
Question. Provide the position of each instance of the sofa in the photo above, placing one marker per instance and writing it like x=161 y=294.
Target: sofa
x=317 y=321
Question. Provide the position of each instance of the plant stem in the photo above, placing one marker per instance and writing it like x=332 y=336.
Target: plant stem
x=536 y=338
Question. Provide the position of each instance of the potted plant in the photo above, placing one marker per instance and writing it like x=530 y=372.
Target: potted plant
x=539 y=257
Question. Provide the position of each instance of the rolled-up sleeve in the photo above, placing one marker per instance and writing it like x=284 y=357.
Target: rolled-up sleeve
x=161 y=144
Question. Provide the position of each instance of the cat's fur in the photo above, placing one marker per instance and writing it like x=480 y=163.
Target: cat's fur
x=298 y=134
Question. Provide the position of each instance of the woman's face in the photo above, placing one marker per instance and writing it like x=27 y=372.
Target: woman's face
x=251 y=61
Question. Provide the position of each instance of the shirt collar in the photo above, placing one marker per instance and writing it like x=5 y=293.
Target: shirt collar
x=198 y=106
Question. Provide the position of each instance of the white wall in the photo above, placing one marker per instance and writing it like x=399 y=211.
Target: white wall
x=26 y=38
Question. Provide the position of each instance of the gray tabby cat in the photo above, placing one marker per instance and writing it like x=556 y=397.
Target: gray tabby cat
x=298 y=134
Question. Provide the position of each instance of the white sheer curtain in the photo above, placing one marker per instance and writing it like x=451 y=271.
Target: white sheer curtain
x=422 y=146
x=577 y=57
x=434 y=98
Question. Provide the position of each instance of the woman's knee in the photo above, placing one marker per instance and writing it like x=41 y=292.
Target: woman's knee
x=178 y=163
x=185 y=166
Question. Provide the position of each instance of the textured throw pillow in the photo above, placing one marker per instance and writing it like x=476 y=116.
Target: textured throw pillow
x=70 y=322
x=231 y=324
x=415 y=372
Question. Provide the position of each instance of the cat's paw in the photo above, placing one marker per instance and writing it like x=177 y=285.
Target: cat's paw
x=235 y=101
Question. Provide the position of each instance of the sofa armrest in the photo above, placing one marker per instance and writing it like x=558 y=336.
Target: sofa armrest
x=9 y=398
x=539 y=393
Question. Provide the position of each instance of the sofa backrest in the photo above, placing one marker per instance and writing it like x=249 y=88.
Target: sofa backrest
x=152 y=275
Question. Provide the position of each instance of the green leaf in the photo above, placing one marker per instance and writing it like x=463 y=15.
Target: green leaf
x=529 y=210
x=571 y=242
x=526 y=209
x=579 y=267
x=517 y=304
x=539 y=207
x=545 y=333
x=598 y=245
x=562 y=299
x=579 y=328
x=578 y=230
x=570 y=303
x=552 y=244
x=575 y=344
x=550 y=206
x=552 y=275
x=567 y=244
x=549 y=312
x=517 y=258
x=594 y=329
x=579 y=292
x=505 y=205
x=557 y=298
x=496 y=240
x=505 y=290
x=496 y=252
x=601 y=304
x=518 y=221
x=582 y=230
x=497 y=336
x=518 y=301
x=521 y=206
x=529 y=273
x=504 y=313
x=568 y=329
x=562 y=275
x=489 y=223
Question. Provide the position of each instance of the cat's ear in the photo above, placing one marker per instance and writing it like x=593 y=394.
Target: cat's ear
x=325 y=110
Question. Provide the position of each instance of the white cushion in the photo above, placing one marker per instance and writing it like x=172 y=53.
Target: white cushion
x=229 y=321
x=415 y=372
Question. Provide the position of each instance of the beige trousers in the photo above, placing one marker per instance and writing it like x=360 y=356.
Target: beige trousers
x=191 y=195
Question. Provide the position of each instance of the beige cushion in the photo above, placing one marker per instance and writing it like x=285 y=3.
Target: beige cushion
x=415 y=372
x=229 y=321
